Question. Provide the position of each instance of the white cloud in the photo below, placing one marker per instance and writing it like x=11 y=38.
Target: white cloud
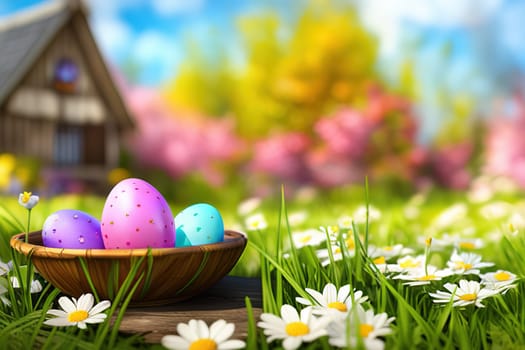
x=158 y=54
x=111 y=7
x=172 y=7
x=113 y=36
x=388 y=18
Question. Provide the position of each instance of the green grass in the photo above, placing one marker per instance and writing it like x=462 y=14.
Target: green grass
x=286 y=271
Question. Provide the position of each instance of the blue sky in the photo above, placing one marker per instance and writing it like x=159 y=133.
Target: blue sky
x=152 y=33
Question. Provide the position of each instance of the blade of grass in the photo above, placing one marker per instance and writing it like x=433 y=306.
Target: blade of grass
x=85 y=270
x=251 y=340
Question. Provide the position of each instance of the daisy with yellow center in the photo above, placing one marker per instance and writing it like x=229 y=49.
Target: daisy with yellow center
x=389 y=251
x=422 y=276
x=332 y=232
x=256 y=222
x=293 y=328
x=311 y=237
x=409 y=262
x=466 y=263
x=249 y=205
x=333 y=302
x=195 y=335
x=338 y=252
x=470 y=244
x=28 y=201
x=466 y=293
x=297 y=218
x=345 y=222
x=500 y=280
x=78 y=313
x=365 y=325
x=360 y=214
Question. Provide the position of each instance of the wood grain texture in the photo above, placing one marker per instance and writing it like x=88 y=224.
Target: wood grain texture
x=225 y=300
x=176 y=273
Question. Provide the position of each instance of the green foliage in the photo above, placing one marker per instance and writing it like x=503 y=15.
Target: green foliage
x=286 y=271
x=294 y=70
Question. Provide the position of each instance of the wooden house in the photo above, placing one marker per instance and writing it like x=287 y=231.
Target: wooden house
x=58 y=101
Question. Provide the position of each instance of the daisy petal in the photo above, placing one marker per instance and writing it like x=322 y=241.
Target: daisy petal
x=103 y=305
x=58 y=313
x=202 y=329
x=85 y=302
x=321 y=300
x=292 y=343
x=225 y=332
x=187 y=332
x=343 y=293
x=58 y=322
x=232 y=345
x=289 y=313
x=67 y=305
x=330 y=293
x=175 y=342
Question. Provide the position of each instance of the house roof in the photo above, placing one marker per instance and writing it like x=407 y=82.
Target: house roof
x=24 y=37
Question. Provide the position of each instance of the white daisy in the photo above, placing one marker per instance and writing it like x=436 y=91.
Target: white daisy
x=4 y=268
x=411 y=212
x=374 y=214
x=408 y=263
x=466 y=263
x=500 y=280
x=297 y=218
x=78 y=313
x=332 y=231
x=292 y=328
x=248 y=205
x=368 y=325
x=470 y=244
x=495 y=210
x=36 y=286
x=480 y=192
x=333 y=302
x=196 y=335
x=468 y=292
x=256 y=222
x=420 y=276
x=28 y=200
x=450 y=216
x=345 y=221
x=311 y=237
x=3 y=291
x=443 y=242
x=389 y=251
x=337 y=251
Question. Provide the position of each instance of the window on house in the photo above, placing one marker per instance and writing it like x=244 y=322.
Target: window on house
x=68 y=145
x=65 y=75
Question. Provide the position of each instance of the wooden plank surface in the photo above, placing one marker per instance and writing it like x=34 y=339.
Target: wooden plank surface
x=225 y=300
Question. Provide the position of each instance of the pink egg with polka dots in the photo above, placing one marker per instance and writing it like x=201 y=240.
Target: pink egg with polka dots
x=72 y=229
x=136 y=215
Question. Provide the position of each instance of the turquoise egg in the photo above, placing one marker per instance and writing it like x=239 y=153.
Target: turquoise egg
x=198 y=224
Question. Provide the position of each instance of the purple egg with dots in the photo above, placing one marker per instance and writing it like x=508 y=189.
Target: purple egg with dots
x=199 y=224
x=136 y=215
x=72 y=229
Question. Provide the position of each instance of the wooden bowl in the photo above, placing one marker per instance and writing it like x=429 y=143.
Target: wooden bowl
x=169 y=274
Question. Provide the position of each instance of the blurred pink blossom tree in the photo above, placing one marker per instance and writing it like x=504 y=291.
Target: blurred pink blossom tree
x=180 y=144
x=505 y=142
